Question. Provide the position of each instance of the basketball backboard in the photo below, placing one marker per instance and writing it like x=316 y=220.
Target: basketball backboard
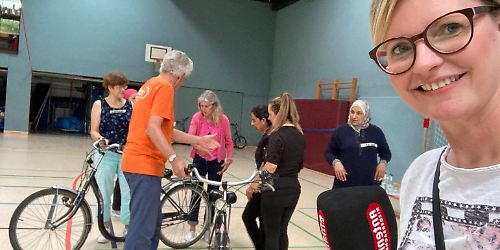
x=155 y=53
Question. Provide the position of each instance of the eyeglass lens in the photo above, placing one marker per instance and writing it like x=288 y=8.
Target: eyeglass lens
x=446 y=34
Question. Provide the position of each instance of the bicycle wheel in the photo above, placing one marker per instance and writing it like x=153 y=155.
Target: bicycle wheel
x=221 y=237
x=31 y=224
x=179 y=205
x=240 y=142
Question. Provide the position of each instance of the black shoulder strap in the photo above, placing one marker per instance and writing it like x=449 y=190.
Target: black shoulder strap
x=436 y=209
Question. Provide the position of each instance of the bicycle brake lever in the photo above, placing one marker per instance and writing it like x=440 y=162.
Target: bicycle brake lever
x=269 y=186
x=189 y=168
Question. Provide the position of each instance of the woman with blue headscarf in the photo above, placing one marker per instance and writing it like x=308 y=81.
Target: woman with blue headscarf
x=358 y=150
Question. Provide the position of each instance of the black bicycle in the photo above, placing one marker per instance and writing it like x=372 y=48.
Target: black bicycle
x=239 y=140
x=60 y=217
x=183 y=200
x=181 y=125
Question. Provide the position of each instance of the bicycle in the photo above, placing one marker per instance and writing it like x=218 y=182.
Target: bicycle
x=239 y=140
x=222 y=201
x=181 y=125
x=179 y=198
x=59 y=216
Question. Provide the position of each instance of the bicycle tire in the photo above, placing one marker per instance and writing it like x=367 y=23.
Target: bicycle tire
x=176 y=208
x=240 y=142
x=34 y=212
x=221 y=237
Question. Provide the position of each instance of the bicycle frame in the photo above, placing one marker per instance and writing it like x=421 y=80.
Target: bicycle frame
x=80 y=197
x=80 y=194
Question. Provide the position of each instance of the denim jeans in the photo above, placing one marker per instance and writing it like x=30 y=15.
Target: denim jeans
x=145 y=207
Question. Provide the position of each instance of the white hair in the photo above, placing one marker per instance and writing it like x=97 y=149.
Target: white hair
x=177 y=63
x=211 y=98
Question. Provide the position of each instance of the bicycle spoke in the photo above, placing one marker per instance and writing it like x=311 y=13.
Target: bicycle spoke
x=32 y=225
x=178 y=206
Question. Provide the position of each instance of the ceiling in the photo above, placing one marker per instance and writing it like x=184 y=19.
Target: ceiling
x=278 y=4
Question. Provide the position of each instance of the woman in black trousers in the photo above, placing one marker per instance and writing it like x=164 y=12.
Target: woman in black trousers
x=262 y=124
x=284 y=157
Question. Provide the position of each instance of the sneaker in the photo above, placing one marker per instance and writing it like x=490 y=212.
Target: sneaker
x=101 y=239
x=206 y=236
x=115 y=213
x=190 y=236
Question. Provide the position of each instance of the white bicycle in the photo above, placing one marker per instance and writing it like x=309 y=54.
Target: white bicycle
x=222 y=200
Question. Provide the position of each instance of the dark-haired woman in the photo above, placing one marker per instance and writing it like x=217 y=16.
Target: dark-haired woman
x=284 y=157
x=261 y=123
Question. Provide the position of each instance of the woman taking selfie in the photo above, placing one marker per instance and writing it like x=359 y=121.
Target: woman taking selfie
x=443 y=59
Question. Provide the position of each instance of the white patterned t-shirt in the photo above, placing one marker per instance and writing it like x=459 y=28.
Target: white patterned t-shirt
x=470 y=202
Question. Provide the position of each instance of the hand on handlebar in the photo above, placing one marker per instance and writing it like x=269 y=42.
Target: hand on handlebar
x=266 y=180
x=103 y=142
x=249 y=193
x=178 y=167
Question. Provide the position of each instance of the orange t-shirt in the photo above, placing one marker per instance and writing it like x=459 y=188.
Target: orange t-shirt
x=156 y=97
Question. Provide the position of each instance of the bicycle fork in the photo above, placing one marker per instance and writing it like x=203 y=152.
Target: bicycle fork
x=220 y=230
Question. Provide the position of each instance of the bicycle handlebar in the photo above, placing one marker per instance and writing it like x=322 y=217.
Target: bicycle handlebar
x=115 y=146
x=264 y=176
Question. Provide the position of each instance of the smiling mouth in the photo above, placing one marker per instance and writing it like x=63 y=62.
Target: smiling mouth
x=439 y=84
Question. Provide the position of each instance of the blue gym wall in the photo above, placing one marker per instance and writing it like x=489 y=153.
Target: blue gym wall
x=230 y=43
x=238 y=46
x=327 y=40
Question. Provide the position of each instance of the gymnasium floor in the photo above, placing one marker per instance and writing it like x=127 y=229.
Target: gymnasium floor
x=30 y=163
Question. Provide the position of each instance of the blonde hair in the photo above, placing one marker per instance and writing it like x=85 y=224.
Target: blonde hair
x=381 y=13
x=285 y=109
x=210 y=97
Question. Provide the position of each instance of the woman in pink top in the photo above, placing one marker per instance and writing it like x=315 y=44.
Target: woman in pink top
x=210 y=120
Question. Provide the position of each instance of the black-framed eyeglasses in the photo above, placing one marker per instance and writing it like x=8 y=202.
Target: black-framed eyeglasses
x=447 y=34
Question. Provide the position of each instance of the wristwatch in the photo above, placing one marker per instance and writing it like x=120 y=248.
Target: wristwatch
x=171 y=158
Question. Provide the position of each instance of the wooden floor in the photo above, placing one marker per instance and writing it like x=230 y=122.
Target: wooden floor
x=30 y=163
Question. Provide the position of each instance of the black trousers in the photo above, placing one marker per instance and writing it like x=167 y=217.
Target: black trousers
x=205 y=168
x=117 y=197
x=249 y=216
x=276 y=210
